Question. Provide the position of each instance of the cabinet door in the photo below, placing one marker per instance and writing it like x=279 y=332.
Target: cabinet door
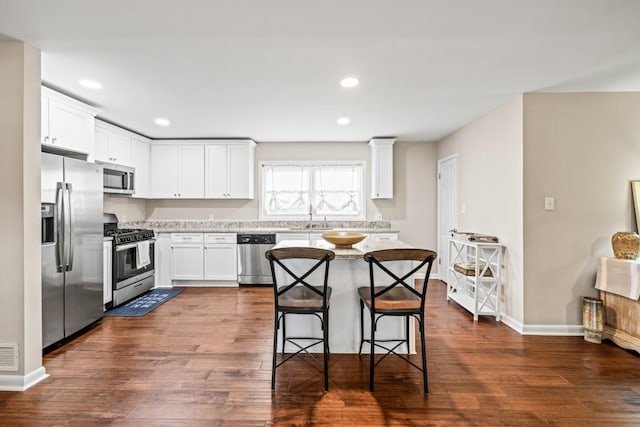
x=120 y=149
x=44 y=120
x=140 y=153
x=382 y=171
x=191 y=171
x=164 y=171
x=163 y=254
x=101 y=145
x=216 y=171
x=240 y=171
x=220 y=262
x=107 y=294
x=187 y=261
x=70 y=128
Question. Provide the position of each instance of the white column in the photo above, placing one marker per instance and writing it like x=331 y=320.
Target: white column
x=20 y=267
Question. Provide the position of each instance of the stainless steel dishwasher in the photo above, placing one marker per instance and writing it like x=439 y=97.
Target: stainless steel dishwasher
x=253 y=266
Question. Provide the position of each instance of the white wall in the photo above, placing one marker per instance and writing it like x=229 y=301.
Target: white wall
x=583 y=149
x=490 y=187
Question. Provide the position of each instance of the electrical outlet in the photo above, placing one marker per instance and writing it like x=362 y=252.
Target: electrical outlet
x=378 y=216
x=123 y=218
x=211 y=217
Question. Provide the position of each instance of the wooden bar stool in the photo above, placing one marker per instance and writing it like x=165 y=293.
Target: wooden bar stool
x=298 y=296
x=395 y=298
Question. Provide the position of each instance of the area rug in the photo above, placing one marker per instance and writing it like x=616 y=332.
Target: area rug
x=144 y=303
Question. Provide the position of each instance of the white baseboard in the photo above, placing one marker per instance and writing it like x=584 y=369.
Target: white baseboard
x=548 y=330
x=22 y=382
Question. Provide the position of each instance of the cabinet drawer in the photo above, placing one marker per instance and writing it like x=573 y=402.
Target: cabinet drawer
x=187 y=238
x=220 y=238
x=379 y=237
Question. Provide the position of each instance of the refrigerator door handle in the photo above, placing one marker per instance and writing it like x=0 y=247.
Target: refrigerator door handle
x=59 y=228
x=69 y=264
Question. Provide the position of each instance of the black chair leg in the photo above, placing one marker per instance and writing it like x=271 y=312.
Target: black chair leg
x=406 y=330
x=372 y=351
x=424 y=356
x=284 y=332
x=361 y=327
x=325 y=319
x=275 y=351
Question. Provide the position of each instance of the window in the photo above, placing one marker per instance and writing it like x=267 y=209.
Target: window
x=334 y=190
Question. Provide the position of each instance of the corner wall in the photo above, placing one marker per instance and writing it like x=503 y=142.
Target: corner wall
x=490 y=190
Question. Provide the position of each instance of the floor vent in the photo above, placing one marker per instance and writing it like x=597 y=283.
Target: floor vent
x=8 y=357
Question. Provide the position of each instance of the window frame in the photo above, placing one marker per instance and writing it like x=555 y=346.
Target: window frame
x=263 y=216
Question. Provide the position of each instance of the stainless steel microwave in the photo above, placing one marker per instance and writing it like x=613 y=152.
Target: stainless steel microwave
x=118 y=179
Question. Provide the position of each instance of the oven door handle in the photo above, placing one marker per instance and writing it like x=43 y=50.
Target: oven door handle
x=131 y=245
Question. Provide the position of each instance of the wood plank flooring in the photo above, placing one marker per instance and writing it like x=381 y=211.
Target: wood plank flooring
x=204 y=359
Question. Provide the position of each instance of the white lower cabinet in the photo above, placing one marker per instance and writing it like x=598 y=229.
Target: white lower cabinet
x=204 y=258
x=187 y=256
x=220 y=256
x=107 y=273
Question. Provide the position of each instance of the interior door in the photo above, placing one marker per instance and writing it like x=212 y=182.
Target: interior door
x=447 y=209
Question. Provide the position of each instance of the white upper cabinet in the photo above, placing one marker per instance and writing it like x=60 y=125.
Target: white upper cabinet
x=177 y=170
x=191 y=171
x=229 y=170
x=381 y=150
x=66 y=124
x=164 y=171
x=112 y=144
x=140 y=160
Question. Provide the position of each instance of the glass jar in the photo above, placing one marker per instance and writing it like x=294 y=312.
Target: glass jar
x=592 y=319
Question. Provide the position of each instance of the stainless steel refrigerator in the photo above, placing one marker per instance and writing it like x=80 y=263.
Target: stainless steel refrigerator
x=72 y=236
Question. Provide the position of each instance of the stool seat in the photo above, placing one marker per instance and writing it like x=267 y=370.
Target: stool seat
x=302 y=297
x=395 y=299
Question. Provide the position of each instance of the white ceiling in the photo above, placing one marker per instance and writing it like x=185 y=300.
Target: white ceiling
x=269 y=69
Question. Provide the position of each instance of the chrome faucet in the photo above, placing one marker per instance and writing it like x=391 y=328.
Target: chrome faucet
x=310 y=215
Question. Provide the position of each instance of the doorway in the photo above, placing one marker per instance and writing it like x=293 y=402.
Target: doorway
x=447 y=209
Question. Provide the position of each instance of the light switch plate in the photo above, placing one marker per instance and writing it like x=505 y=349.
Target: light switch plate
x=549 y=203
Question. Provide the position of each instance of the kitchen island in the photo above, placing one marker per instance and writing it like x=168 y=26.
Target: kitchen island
x=347 y=272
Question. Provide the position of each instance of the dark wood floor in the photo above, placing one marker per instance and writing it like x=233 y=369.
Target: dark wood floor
x=203 y=359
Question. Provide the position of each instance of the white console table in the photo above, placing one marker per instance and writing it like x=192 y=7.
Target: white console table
x=475 y=276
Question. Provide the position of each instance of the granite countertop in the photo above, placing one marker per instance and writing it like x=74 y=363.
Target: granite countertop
x=355 y=252
x=264 y=227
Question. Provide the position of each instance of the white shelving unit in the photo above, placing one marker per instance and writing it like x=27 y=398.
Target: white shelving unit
x=475 y=277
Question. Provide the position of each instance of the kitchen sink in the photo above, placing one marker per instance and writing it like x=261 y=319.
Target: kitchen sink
x=319 y=227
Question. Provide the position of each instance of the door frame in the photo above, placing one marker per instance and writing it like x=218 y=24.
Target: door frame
x=442 y=268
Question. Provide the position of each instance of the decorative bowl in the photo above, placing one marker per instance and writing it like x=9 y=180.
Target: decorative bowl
x=343 y=239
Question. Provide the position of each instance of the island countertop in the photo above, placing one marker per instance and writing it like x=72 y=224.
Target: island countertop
x=355 y=252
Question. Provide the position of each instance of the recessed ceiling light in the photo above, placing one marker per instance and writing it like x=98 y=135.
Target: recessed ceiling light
x=344 y=121
x=349 y=82
x=160 y=121
x=90 y=84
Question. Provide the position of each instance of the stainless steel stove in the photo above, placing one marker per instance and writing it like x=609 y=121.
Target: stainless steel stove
x=133 y=260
